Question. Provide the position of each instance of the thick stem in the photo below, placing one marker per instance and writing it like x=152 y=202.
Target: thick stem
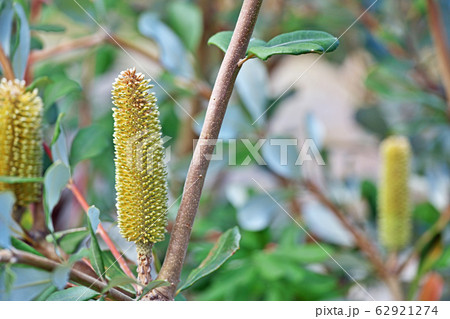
x=6 y=65
x=145 y=259
x=220 y=96
x=21 y=257
x=440 y=42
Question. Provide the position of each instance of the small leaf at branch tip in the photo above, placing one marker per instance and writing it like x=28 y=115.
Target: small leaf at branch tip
x=292 y=43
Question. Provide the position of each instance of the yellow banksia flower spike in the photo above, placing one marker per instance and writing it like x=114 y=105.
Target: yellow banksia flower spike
x=141 y=178
x=20 y=139
x=394 y=221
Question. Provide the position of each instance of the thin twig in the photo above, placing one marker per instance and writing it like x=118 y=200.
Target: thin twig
x=364 y=243
x=77 y=44
x=21 y=257
x=98 y=38
x=124 y=43
x=176 y=252
x=6 y=65
x=427 y=237
x=440 y=42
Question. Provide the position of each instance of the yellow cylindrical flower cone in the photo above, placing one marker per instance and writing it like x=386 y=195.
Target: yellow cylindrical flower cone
x=394 y=221
x=20 y=139
x=141 y=184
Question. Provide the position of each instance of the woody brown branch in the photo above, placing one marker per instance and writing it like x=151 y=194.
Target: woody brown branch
x=21 y=257
x=217 y=106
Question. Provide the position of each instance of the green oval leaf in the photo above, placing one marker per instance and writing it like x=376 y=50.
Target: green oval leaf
x=20 y=245
x=221 y=40
x=224 y=248
x=73 y=294
x=90 y=142
x=295 y=43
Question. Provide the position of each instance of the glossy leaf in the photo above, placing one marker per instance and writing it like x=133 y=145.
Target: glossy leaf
x=46 y=293
x=70 y=242
x=73 y=294
x=89 y=142
x=221 y=40
x=293 y=43
x=224 y=248
x=58 y=89
x=20 y=245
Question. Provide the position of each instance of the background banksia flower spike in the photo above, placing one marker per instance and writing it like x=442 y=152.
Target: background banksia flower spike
x=20 y=139
x=393 y=199
x=141 y=183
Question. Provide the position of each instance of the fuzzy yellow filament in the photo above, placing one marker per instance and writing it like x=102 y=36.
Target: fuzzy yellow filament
x=141 y=184
x=393 y=199
x=20 y=139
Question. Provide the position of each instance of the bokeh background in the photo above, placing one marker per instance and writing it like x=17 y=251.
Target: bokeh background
x=383 y=79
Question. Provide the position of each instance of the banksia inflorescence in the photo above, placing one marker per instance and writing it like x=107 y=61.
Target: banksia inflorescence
x=141 y=184
x=393 y=198
x=20 y=139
